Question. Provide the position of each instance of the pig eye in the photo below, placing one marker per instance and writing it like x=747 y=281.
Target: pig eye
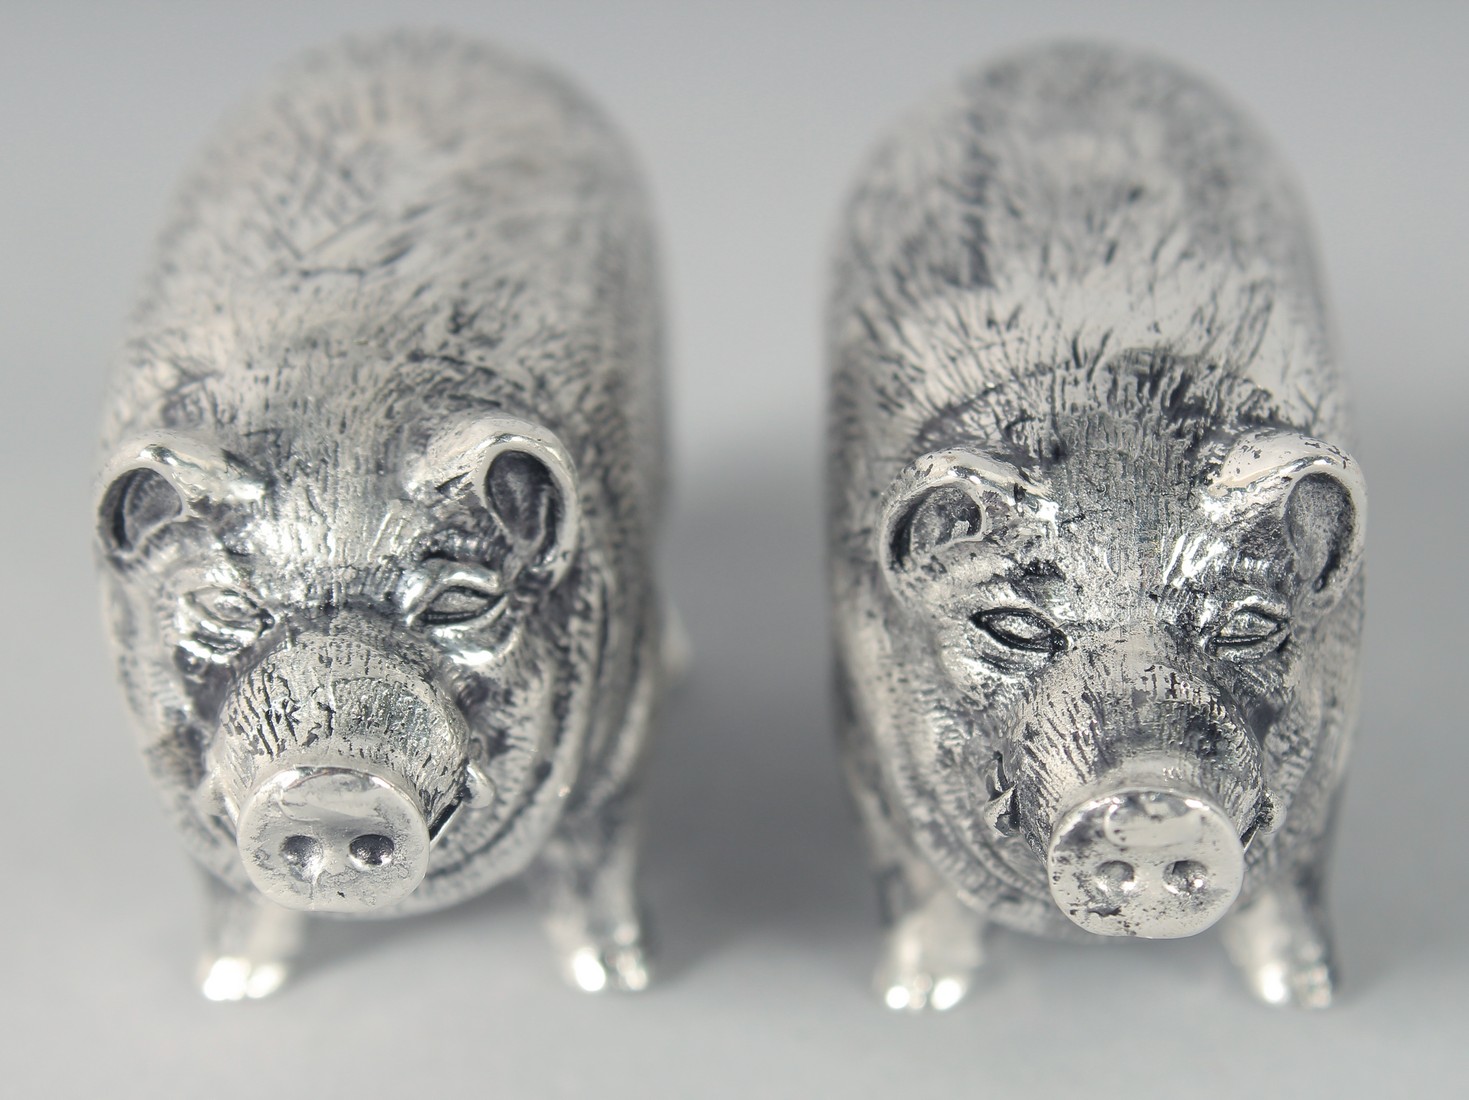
x=1020 y=630
x=1250 y=632
x=226 y=605
x=459 y=604
x=216 y=623
x=459 y=595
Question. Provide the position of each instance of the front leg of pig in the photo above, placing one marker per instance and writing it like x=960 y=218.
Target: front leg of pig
x=1281 y=941
x=934 y=941
x=585 y=883
x=250 y=943
x=585 y=879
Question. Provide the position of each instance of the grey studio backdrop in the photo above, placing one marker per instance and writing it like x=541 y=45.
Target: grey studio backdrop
x=750 y=119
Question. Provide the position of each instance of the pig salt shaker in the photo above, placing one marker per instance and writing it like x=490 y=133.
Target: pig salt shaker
x=382 y=473
x=1095 y=546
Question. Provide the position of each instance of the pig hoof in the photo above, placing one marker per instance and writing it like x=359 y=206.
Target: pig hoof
x=1294 y=985
x=930 y=956
x=622 y=967
x=922 y=990
x=237 y=978
x=914 y=977
x=1282 y=947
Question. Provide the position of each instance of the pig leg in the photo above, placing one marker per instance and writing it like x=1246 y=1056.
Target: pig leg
x=585 y=877
x=933 y=940
x=585 y=883
x=1281 y=941
x=250 y=943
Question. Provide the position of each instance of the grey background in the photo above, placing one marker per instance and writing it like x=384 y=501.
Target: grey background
x=750 y=119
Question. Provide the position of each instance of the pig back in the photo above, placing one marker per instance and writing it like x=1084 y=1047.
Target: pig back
x=401 y=230
x=1061 y=209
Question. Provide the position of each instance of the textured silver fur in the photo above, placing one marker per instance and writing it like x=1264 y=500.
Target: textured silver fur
x=410 y=256
x=1081 y=367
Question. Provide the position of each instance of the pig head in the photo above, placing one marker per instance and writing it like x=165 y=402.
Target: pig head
x=1125 y=603
x=341 y=656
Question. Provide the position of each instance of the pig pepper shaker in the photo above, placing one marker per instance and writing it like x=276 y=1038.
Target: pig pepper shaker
x=382 y=472
x=1095 y=547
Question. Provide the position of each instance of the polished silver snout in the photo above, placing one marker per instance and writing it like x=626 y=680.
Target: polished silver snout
x=1145 y=860
x=333 y=840
x=339 y=759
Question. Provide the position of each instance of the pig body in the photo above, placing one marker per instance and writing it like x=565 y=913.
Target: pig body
x=1094 y=546
x=382 y=478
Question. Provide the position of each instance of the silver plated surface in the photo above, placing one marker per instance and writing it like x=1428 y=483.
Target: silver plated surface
x=1094 y=547
x=382 y=473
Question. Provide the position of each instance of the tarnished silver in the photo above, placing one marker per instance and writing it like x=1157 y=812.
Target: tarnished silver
x=382 y=472
x=1095 y=553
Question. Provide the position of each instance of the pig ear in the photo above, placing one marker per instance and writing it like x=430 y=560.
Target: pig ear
x=154 y=482
x=1312 y=490
x=523 y=476
x=945 y=497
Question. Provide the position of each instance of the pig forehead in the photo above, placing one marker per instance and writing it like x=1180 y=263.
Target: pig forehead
x=341 y=461
x=340 y=457
x=1125 y=494
x=358 y=397
x=1133 y=470
x=339 y=524
x=1173 y=409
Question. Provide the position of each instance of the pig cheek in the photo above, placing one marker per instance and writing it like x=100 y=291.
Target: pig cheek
x=495 y=691
x=1293 y=740
x=481 y=654
x=955 y=652
x=121 y=615
x=513 y=741
x=140 y=617
x=1281 y=699
x=143 y=599
x=976 y=715
x=1267 y=690
x=160 y=698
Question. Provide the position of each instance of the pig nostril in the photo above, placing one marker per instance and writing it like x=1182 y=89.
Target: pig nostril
x=330 y=839
x=371 y=850
x=1187 y=876
x=1113 y=877
x=1183 y=868
x=302 y=854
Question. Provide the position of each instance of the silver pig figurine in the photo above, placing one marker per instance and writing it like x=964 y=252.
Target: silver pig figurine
x=382 y=474
x=1095 y=553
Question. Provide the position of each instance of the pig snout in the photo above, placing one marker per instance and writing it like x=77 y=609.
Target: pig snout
x=1139 y=797
x=333 y=839
x=1145 y=859
x=344 y=763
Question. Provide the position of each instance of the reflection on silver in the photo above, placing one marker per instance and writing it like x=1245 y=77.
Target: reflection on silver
x=1095 y=574
x=382 y=468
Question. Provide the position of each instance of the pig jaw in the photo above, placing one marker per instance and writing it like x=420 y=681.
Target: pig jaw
x=1140 y=812
x=339 y=766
